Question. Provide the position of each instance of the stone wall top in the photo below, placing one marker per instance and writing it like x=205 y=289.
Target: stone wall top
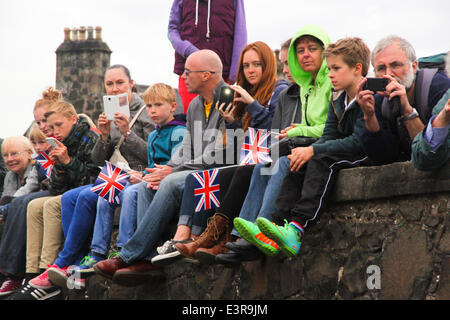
x=393 y=180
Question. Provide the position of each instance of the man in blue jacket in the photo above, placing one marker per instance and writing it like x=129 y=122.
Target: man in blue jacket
x=388 y=133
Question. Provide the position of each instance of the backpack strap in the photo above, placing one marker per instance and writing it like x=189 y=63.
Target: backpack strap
x=422 y=90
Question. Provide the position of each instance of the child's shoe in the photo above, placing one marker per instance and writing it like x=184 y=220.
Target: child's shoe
x=288 y=238
x=250 y=232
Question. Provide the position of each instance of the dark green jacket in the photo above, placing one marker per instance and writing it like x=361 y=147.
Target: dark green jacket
x=80 y=170
x=342 y=128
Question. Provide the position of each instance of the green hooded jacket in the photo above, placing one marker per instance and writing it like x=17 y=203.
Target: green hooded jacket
x=315 y=97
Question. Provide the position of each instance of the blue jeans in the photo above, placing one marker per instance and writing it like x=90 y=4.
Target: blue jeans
x=104 y=221
x=188 y=217
x=78 y=207
x=263 y=191
x=155 y=211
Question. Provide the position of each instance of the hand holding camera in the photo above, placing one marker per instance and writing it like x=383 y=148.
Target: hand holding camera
x=225 y=104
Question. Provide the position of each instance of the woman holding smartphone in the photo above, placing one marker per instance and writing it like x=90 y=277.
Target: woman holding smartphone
x=255 y=100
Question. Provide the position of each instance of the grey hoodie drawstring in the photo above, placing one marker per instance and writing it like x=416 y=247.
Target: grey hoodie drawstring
x=209 y=14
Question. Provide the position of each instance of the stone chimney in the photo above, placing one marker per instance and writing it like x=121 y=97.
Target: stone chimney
x=81 y=62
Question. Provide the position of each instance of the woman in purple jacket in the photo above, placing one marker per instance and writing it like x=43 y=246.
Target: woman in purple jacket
x=201 y=24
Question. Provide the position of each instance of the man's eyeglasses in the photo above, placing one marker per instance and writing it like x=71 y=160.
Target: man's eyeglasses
x=12 y=155
x=393 y=66
x=188 y=72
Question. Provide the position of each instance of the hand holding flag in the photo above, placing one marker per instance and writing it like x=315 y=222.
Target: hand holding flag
x=110 y=182
x=255 y=148
x=45 y=162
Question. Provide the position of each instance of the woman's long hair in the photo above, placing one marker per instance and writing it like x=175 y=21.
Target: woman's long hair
x=262 y=91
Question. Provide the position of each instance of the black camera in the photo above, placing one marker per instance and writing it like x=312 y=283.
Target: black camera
x=226 y=95
x=376 y=84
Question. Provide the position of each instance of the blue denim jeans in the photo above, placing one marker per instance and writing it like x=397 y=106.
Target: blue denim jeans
x=78 y=207
x=104 y=220
x=263 y=191
x=155 y=210
x=188 y=217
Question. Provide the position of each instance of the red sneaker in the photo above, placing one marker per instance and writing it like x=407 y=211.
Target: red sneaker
x=9 y=286
x=58 y=276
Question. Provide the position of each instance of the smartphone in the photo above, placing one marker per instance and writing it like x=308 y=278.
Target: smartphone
x=52 y=142
x=118 y=103
x=226 y=95
x=376 y=84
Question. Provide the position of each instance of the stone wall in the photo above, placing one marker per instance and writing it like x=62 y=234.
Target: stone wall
x=386 y=236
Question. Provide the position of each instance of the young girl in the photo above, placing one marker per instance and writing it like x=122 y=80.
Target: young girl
x=254 y=104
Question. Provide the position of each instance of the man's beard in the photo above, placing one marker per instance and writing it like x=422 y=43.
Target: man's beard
x=408 y=80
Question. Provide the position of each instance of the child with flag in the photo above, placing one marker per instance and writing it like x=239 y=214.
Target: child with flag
x=75 y=137
x=160 y=100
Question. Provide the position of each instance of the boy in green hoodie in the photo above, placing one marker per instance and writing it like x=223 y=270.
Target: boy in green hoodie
x=313 y=91
x=314 y=168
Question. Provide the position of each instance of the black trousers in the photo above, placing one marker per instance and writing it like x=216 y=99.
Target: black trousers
x=305 y=193
x=235 y=182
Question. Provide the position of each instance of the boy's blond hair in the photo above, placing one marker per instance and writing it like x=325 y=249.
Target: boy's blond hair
x=160 y=92
x=63 y=108
x=36 y=134
x=352 y=51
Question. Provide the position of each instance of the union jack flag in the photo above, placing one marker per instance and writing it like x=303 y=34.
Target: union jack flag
x=255 y=148
x=110 y=181
x=206 y=189
x=45 y=163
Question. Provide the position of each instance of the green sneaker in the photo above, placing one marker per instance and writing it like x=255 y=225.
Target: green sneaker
x=250 y=232
x=86 y=267
x=286 y=237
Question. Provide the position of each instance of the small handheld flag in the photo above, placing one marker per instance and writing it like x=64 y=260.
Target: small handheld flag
x=255 y=148
x=110 y=182
x=45 y=163
x=206 y=189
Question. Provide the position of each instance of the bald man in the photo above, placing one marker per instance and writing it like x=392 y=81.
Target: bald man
x=160 y=196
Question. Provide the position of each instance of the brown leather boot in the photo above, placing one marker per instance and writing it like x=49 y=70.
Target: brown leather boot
x=216 y=226
x=208 y=255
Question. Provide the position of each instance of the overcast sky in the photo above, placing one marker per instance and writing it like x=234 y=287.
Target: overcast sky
x=136 y=32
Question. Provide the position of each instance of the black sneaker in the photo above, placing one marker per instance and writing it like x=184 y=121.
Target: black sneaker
x=27 y=292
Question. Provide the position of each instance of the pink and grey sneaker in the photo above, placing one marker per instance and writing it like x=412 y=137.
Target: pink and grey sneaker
x=9 y=286
x=42 y=281
x=58 y=276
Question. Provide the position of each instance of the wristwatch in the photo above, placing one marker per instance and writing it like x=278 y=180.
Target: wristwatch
x=414 y=114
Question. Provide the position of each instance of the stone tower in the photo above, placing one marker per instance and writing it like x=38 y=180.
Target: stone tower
x=81 y=62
